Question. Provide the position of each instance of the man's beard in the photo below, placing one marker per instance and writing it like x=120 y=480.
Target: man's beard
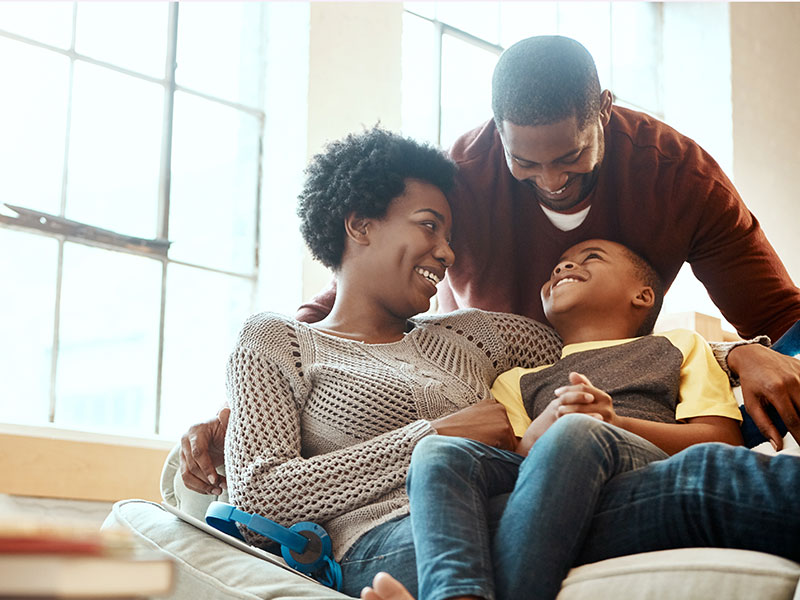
x=587 y=183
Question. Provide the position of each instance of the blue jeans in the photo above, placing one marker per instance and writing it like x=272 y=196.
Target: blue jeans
x=587 y=492
x=462 y=546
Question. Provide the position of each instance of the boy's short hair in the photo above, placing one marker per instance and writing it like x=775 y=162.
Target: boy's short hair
x=648 y=276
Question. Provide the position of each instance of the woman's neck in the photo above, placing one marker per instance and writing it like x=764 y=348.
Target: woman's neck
x=357 y=316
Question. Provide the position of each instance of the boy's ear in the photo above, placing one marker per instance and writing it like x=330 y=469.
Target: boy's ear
x=356 y=229
x=645 y=297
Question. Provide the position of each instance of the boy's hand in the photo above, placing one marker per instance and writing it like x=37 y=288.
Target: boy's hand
x=582 y=397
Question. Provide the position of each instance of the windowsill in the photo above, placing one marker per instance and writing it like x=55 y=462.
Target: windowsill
x=75 y=435
x=49 y=462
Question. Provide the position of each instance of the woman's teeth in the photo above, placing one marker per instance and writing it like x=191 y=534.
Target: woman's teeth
x=428 y=275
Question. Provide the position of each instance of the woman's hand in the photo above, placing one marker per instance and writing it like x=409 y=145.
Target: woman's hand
x=202 y=451
x=582 y=397
x=485 y=421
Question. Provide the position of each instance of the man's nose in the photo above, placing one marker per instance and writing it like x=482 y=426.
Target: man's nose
x=552 y=180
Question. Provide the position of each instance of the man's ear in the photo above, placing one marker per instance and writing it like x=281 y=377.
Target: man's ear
x=645 y=298
x=606 y=100
x=356 y=229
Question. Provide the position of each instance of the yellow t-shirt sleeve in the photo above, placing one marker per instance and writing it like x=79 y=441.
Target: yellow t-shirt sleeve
x=705 y=390
x=506 y=391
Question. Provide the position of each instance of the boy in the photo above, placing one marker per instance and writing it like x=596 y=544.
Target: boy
x=603 y=300
x=668 y=389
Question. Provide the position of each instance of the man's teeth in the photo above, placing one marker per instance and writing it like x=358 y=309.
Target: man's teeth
x=565 y=280
x=432 y=277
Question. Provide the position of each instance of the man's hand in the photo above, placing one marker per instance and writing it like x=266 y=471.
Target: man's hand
x=582 y=397
x=202 y=451
x=768 y=377
x=485 y=422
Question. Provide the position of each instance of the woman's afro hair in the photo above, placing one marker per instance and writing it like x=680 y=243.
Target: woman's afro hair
x=362 y=174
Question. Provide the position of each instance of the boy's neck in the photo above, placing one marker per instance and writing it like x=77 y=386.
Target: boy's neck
x=594 y=331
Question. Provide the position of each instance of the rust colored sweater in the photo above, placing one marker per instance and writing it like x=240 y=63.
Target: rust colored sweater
x=657 y=192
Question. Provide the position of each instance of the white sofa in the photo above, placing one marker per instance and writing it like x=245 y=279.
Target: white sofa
x=210 y=568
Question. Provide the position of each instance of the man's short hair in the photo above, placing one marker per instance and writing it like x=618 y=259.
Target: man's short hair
x=543 y=80
x=647 y=275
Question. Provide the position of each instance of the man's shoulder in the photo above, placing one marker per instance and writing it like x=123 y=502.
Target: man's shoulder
x=476 y=144
x=640 y=131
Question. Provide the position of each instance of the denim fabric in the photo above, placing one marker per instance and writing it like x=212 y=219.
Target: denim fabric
x=789 y=342
x=388 y=547
x=550 y=510
x=457 y=490
x=707 y=495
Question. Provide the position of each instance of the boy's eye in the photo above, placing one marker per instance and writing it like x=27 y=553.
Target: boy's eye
x=592 y=255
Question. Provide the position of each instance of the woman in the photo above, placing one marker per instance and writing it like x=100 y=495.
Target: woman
x=324 y=417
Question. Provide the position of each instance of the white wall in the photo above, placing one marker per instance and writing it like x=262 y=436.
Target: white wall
x=765 y=49
x=354 y=82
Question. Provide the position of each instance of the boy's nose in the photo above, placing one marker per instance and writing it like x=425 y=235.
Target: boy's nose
x=562 y=266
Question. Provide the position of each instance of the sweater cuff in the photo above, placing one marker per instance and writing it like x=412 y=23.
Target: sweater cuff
x=723 y=349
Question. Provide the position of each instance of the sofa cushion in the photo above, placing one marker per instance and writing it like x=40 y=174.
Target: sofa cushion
x=207 y=567
x=689 y=574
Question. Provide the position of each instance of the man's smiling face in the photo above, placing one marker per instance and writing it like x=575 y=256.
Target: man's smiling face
x=558 y=161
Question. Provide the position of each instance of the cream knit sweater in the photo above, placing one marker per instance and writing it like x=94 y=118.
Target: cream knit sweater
x=322 y=428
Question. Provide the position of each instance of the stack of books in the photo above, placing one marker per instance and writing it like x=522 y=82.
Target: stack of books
x=47 y=559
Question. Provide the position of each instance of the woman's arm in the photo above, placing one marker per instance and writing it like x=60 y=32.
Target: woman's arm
x=266 y=471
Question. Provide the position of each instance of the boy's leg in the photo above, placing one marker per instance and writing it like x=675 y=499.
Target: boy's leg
x=450 y=482
x=707 y=495
x=550 y=510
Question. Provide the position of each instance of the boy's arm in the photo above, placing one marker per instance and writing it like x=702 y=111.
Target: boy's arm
x=581 y=396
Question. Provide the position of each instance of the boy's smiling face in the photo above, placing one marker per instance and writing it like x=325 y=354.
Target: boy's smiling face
x=593 y=280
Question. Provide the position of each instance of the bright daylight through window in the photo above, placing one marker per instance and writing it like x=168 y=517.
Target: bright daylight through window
x=129 y=262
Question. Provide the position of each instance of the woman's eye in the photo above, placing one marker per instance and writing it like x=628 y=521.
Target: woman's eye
x=430 y=225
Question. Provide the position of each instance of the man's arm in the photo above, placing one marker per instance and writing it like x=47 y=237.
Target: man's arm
x=319 y=306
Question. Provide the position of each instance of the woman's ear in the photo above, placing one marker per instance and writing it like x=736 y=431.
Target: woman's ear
x=356 y=229
x=645 y=298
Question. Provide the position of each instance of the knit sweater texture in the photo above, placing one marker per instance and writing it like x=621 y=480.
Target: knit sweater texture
x=322 y=428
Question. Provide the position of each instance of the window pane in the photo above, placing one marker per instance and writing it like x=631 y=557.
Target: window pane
x=128 y=34
x=419 y=106
x=228 y=63
x=590 y=24
x=214 y=185
x=466 y=87
x=426 y=9
x=28 y=274
x=481 y=19
x=520 y=20
x=108 y=346
x=204 y=314
x=33 y=117
x=115 y=148
x=48 y=22
x=636 y=55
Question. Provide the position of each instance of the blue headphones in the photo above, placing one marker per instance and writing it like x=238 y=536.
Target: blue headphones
x=305 y=546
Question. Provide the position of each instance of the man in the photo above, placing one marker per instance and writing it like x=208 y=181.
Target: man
x=558 y=164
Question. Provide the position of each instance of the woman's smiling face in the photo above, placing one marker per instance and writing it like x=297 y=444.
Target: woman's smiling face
x=411 y=248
